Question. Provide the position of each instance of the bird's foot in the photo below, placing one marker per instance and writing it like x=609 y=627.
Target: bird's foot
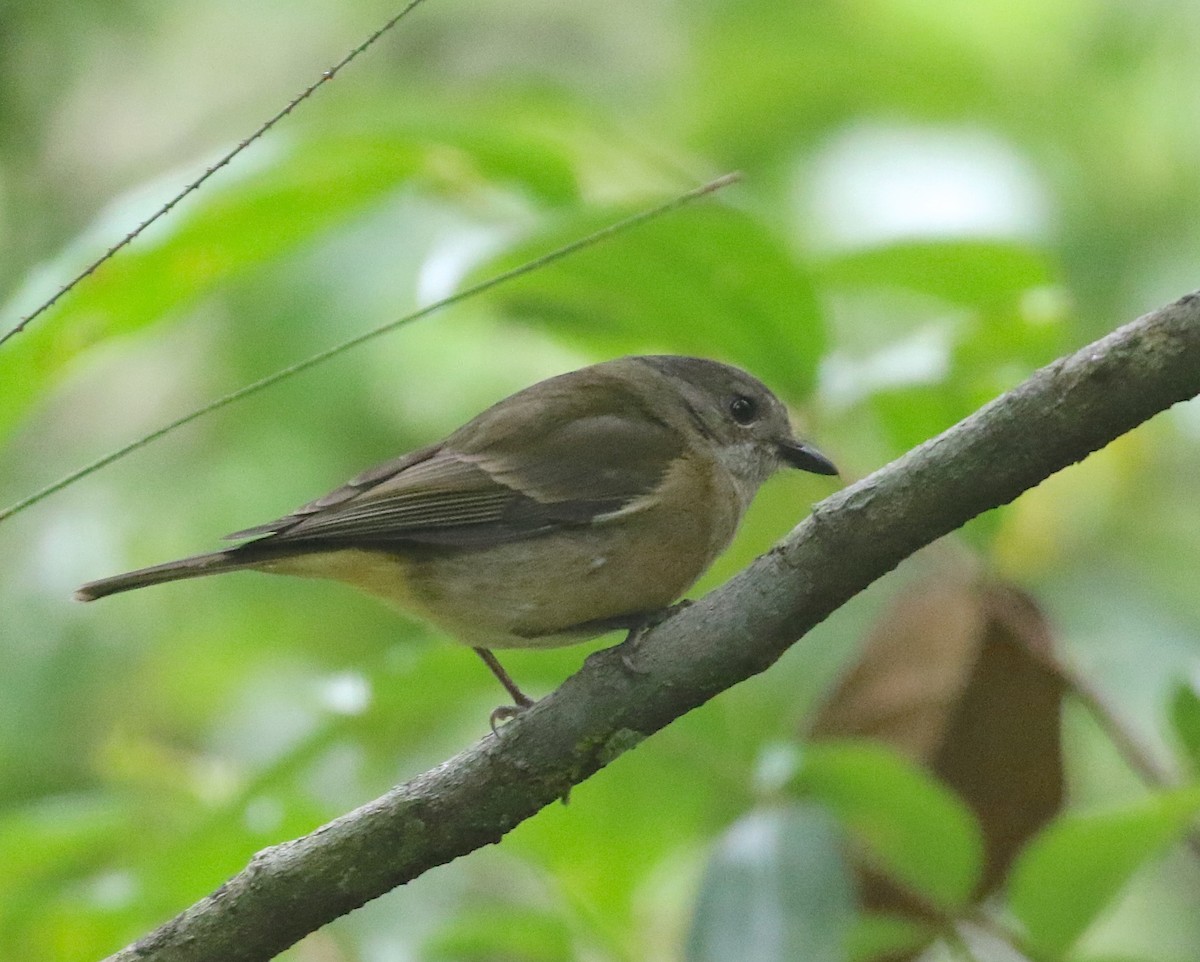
x=521 y=701
x=506 y=713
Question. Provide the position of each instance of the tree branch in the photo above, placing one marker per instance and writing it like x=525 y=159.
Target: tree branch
x=1061 y=414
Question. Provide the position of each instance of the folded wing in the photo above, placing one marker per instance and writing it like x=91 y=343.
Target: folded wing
x=552 y=474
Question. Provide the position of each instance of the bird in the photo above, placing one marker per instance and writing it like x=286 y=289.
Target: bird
x=586 y=503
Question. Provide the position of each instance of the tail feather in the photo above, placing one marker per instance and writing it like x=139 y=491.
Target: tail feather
x=196 y=566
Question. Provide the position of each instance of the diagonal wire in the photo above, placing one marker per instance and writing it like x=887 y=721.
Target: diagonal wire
x=532 y=265
x=166 y=208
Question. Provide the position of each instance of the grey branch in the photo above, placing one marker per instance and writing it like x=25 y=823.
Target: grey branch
x=1057 y=417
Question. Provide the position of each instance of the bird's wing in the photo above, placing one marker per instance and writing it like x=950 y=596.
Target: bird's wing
x=472 y=490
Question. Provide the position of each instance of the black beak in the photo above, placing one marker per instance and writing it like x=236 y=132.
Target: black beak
x=800 y=455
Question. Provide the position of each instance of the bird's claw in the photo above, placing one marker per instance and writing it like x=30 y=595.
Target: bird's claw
x=506 y=713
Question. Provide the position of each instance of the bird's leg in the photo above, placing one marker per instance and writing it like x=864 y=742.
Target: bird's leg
x=521 y=701
x=629 y=646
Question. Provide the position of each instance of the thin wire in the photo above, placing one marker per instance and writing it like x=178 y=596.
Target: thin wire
x=195 y=184
x=538 y=262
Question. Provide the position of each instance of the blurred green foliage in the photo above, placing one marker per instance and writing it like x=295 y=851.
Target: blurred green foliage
x=937 y=200
x=1078 y=865
x=895 y=810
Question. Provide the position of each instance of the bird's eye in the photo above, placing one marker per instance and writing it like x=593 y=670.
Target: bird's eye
x=743 y=409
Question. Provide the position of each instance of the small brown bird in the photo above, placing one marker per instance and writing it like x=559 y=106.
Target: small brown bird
x=585 y=503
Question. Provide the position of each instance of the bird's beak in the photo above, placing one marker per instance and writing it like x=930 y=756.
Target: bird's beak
x=797 y=454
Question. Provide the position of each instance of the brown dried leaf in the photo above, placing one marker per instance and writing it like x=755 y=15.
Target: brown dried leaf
x=915 y=665
x=1003 y=753
x=960 y=678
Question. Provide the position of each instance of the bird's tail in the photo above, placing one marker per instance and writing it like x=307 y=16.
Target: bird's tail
x=196 y=566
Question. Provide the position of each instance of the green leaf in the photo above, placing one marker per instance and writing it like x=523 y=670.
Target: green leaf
x=1185 y=720
x=919 y=832
x=232 y=227
x=1072 y=871
x=991 y=276
x=982 y=314
x=887 y=936
x=707 y=279
x=775 y=890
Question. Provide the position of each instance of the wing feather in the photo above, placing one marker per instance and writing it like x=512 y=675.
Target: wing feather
x=538 y=474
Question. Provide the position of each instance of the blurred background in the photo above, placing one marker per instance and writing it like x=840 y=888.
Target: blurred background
x=937 y=199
